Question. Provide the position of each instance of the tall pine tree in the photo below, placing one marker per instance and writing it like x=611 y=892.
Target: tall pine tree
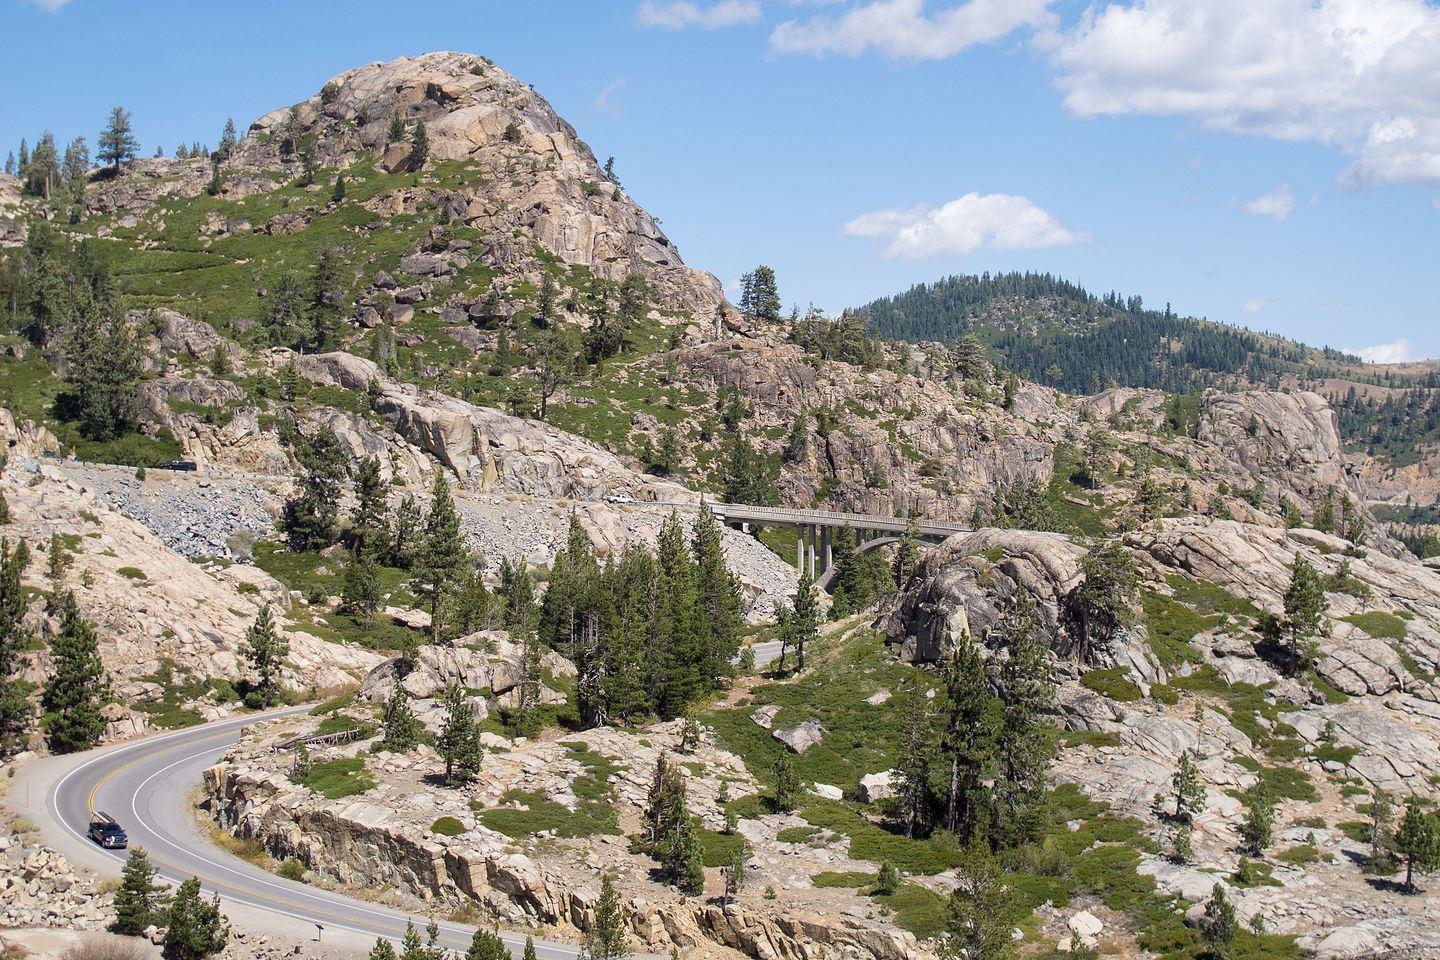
x=77 y=686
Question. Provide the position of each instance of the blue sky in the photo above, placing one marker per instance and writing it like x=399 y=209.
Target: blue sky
x=1271 y=163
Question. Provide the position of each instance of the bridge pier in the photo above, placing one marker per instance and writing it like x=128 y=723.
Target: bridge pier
x=827 y=535
x=800 y=547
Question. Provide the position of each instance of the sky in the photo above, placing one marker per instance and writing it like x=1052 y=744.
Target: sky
x=1273 y=164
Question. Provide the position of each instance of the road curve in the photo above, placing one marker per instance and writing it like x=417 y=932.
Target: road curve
x=146 y=785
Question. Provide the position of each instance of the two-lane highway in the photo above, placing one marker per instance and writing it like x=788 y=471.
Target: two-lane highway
x=147 y=785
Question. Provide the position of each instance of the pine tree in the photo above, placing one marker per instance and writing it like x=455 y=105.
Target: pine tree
x=735 y=871
x=606 y=939
x=77 y=686
x=310 y=516
x=906 y=553
x=1023 y=745
x=117 y=142
x=1417 y=839
x=402 y=729
x=228 y=139
x=530 y=949
x=360 y=589
x=56 y=567
x=419 y=146
x=545 y=302
x=1382 y=812
x=982 y=914
x=16 y=715
x=337 y=194
x=912 y=773
x=1106 y=595
x=487 y=945
x=440 y=556
x=1305 y=606
x=220 y=361
x=382 y=950
x=800 y=623
x=1189 y=791
x=973 y=719
x=396 y=132
x=407 y=522
x=718 y=593
x=194 y=928
x=1325 y=513
x=138 y=902
x=411 y=946
x=327 y=297
x=459 y=740
x=970 y=358
x=265 y=650
x=787 y=783
x=1259 y=823
x=1217 y=924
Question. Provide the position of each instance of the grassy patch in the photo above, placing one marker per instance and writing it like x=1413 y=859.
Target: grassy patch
x=833 y=878
x=338 y=778
x=1298 y=856
x=447 y=827
x=1378 y=624
x=797 y=835
x=134 y=573
x=340 y=723
x=544 y=815
x=1357 y=830
x=916 y=909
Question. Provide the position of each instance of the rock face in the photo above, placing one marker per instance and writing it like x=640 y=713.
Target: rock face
x=148 y=603
x=477 y=113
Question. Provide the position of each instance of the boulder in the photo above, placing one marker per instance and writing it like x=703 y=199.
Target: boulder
x=877 y=786
x=765 y=717
x=801 y=738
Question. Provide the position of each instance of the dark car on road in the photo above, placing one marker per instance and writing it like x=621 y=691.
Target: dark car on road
x=182 y=466
x=106 y=832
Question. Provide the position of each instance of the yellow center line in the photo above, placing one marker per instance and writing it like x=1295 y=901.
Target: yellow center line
x=241 y=890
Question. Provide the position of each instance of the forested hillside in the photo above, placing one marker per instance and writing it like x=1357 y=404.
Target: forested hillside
x=1077 y=341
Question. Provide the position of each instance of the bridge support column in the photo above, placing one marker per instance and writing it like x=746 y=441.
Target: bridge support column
x=810 y=538
x=826 y=537
x=800 y=547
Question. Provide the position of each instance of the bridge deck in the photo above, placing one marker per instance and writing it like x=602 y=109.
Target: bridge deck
x=788 y=517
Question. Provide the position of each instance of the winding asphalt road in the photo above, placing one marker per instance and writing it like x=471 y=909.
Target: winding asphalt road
x=146 y=785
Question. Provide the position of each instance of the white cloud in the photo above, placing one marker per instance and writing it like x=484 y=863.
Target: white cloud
x=996 y=220
x=1277 y=203
x=679 y=14
x=53 y=6
x=902 y=30
x=1255 y=305
x=1401 y=351
x=602 y=99
x=1361 y=75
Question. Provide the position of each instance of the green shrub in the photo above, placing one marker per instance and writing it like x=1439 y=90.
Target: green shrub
x=852 y=879
x=1299 y=855
x=1357 y=830
x=1383 y=626
x=543 y=815
x=447 y=827
x=1112 y=684
x=291 y=869
x=134 y=573
x=797 y=835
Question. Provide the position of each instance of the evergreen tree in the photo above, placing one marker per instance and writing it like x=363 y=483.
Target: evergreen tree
x=58 y=564
x=545 y=302
x=407 y=521
x=1259 y=823
x=1023 y=745
x=1382 y=812
x=402 y=729
x=194 y=928
x=419 y=146
x=10 y=167
x=440 y=556
x=887 y=880
x=906 y=554
x=912 y=772
x=970 y=358
x=981 y=913
x=44 y=169
x=1417 y=839
x=1189 y=791
x=606 y=939
x=760 y=297
x=16 y=715
x=1106 y=596
x=972 y=725
x=735 y=871
x=459 y=740
x=104 y=366
x=411 y=946
x=309 y=517
x=1305 y=606
x=787 y=783
x=718 y=592
x=800 y=623
x=75 y=167
x=228 y=139
x=265 y=650
x=396 y=131
x=1325 y=513
x=117 y=142
x=530 y=949
x=1217 y=924
x=327 y=298
x=382 y=950
x=337 y=194
x=361 y=591
x=138 y=902
x=487 y=945
x=77 y=686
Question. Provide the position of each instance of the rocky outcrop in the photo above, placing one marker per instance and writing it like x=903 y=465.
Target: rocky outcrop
x=488 y=660
x=40 y=888
x=148 y=603
x=966 y=584
x=26 y=438
x=539 y=177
